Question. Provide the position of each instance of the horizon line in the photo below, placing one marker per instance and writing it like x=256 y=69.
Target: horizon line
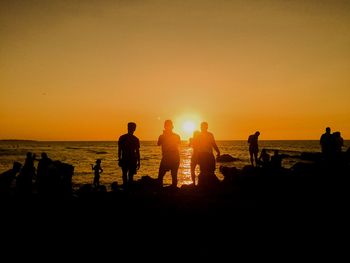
x=33 y=140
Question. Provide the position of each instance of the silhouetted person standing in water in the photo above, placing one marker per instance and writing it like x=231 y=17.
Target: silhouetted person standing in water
x=129 y=154
x=206 y=143
x=326 y=142
x=194 y=157
x=170 y=153
x=97 y=172
x=253 y=147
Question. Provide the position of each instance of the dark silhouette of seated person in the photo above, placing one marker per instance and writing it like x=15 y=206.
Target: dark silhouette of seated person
x=129 y=154
x=169 y=141
x=97 y=173
x=25 y=178
x=276 y=160
x=6 y=178
x=43 y=179
x=264 y=158
x=326 y=142
x=194 y=157
x=207 y=162
x=253 y=147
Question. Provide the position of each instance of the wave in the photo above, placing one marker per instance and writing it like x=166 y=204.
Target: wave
x=12 y=152
x=73 y=148
x=97 y=152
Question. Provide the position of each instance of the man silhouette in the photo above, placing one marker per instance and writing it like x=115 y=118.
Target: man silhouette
x=129 y=154
x=206 y=143
x=253 y=147
x=170 y=153
x=326 y=142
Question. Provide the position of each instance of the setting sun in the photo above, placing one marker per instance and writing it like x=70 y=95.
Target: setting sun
x=186 y=124
x=188 y=127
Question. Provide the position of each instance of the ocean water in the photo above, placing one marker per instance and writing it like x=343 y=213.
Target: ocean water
x=82 y=154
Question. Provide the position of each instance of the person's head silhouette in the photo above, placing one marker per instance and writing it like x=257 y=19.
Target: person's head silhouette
x=328 y=130
x=204 y=126
x=168 y=125
x=16 y=166
x=131 y=127
x=257 y=134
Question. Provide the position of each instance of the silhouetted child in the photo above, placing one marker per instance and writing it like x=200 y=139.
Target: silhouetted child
x=97 y=171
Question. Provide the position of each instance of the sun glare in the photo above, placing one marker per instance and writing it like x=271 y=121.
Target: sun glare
x=188 y=127
x=186 y=124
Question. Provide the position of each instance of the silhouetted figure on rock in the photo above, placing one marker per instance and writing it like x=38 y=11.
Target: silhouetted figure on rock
x=338 y=142
x=207 y=162
x=326 y=142
x=276 y=160
x=6 y=178
x=25 y=178
x=253 y=147
x=43 y=172
x=97 y=173
x=169 y=142
x=264 y=158
x=129 y=154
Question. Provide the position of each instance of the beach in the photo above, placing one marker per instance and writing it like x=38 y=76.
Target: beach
x=82 y=154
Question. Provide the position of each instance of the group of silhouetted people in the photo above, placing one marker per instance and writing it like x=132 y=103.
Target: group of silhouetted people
x=264 y=160
x=203 y=143
x=331 y=144
x=49 y=178
x=47 y=175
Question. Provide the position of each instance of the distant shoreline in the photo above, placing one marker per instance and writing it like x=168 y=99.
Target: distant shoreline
x=17 y=140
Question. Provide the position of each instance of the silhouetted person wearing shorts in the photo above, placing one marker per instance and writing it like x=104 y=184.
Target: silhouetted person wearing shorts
x=169 y=142
x=129 y=154
x=253 y=147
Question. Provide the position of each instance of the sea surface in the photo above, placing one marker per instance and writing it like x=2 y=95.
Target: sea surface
x=82 y=154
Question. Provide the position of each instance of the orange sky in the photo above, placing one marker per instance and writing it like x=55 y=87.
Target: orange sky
x=80 y=70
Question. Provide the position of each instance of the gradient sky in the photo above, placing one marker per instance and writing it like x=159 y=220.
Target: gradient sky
x=80 y=70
